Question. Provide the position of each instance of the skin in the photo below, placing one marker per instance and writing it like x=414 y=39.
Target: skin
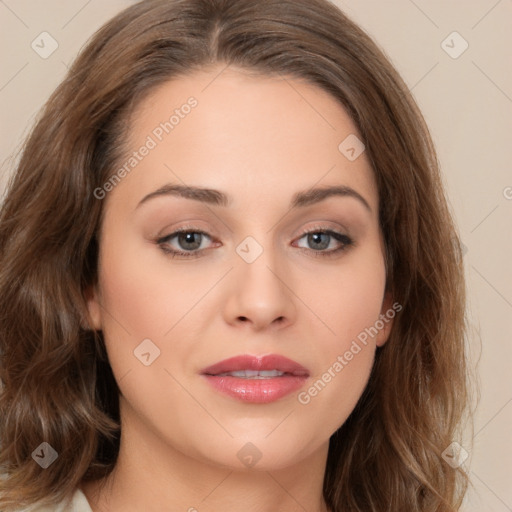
x=260 y=140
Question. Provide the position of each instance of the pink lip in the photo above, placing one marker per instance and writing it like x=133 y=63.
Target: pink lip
x=257 y=390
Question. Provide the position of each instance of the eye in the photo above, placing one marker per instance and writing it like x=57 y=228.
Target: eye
x=189 y=242
x=320 y=239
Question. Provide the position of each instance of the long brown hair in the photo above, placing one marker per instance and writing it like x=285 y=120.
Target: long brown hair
x=57 y=385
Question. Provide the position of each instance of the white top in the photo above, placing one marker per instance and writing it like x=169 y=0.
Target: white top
x=78 y=503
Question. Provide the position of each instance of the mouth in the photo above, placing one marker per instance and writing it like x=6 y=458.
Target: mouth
x=256 y=379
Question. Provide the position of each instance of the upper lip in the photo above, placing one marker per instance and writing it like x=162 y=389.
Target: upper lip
x=250 y=362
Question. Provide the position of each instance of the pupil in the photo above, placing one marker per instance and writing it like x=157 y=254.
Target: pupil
x=317 y=239
x=189 y=239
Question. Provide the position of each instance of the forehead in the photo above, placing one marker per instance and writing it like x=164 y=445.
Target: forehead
x=244 y=130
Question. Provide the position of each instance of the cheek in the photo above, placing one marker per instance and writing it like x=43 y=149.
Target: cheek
x=350 y=307
x=142 y=293
x=351 y=299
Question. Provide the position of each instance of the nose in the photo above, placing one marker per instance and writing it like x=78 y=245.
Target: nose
x=260 y=294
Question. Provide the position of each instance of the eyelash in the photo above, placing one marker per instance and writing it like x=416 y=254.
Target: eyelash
x=345 y=240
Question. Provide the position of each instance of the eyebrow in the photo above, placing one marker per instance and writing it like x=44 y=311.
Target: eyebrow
x=218 y=198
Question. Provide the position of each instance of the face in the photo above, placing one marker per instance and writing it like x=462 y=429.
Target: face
x=264 y=266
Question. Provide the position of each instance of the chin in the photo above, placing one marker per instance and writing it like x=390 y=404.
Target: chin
x=253 y=453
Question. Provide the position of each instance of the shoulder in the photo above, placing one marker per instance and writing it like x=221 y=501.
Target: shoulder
x=77 y=503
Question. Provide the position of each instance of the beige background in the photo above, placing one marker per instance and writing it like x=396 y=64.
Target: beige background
x=467 y=102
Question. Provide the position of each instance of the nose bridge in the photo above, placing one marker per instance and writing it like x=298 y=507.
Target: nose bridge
x=259 y=293
x=257 y=266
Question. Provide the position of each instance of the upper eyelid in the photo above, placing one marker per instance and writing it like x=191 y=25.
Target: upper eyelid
x=313 y=229
x=320 y=226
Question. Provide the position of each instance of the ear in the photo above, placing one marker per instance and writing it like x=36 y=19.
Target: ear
x=93 y=308
x=385 y=322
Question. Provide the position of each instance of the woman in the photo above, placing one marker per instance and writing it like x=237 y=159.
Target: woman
x=306 y=351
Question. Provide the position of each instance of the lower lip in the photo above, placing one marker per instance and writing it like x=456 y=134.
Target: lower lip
x=259 y=391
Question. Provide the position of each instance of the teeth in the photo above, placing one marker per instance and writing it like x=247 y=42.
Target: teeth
x=253 y=374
